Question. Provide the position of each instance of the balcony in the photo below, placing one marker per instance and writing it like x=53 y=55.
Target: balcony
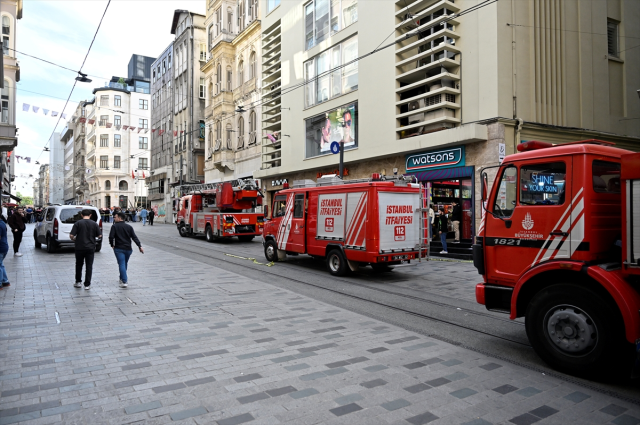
x=224 y=159
x=92 y=134
x=91 y=153
x=223 y=102
x=8 y=139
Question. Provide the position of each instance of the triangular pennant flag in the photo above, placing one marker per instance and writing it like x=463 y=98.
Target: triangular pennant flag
x=18 y=158
x=25 y=107
x=125 y=127
x=46 y=111
x=55 y=114
x=175 y=133
x=35 y=109
x=146 y=130
x=64 y=116
x=139 y=130
x=131 y=128
x=109 y=125
x=160 y=132
x=143 y=176
x=83 y=120
x=181 y=131
x=153 y=130
x=91 y=122
x=28 y=159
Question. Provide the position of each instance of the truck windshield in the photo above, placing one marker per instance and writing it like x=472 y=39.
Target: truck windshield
x=279 y=205
x=543 y=184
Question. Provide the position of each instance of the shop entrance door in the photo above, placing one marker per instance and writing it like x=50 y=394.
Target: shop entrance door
x=444 y=192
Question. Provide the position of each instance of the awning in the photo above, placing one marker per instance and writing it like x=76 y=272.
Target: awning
x=8 y=195
x=444 y=173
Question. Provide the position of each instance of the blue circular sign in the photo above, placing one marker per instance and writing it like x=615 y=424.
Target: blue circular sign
x=335 y=147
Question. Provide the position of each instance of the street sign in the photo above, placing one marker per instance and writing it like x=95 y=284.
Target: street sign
x=335 y=147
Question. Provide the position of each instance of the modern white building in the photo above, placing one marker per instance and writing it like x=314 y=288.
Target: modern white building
x=56 y=169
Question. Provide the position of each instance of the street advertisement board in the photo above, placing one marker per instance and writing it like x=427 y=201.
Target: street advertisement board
x=337 y=125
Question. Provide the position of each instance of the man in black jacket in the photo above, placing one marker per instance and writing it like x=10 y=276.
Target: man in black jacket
x=443 y=227
x=456 y=217
x=84 y=233
x=120 y=240
x=17 y=223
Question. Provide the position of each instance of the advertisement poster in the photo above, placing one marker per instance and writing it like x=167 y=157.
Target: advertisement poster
x=338 y=125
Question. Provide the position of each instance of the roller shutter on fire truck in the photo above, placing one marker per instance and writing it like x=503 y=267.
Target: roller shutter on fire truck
x=399 y=217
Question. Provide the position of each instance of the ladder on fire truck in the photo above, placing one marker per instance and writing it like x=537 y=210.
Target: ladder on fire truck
x=423 y=238
x=201 y=187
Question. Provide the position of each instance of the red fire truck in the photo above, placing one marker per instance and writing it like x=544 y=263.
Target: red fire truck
x=559 y=244
x=348 y=223
x=220 y=210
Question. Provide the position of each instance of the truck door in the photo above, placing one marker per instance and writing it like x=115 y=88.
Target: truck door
x=529 y=218
x=281 y=211
x=298 y=222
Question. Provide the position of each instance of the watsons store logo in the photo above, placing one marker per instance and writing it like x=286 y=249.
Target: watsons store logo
x=453 y=157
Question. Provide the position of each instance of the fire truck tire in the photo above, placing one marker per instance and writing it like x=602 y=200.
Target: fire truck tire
x=208 y=234
x=560 y=312
x=245 y=238
x=271 y=251
x=337 y=263
x=184 y=232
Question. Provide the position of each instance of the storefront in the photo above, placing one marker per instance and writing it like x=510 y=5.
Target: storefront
x=447 y=179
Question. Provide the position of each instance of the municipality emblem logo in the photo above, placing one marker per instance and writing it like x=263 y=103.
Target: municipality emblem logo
x=527 y=223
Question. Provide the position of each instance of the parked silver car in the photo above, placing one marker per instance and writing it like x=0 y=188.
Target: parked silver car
x=55 y=223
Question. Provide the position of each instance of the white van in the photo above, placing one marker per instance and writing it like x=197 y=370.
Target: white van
x=55 y=223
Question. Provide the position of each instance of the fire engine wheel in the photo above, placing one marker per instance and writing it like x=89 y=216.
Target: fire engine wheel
x=574 y=330
x=245 y=238
x=208 y=233
x=184 y=232
x=337 y=263
x=271 y=251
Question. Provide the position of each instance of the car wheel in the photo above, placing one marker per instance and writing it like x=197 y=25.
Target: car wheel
x=574 y=330
x=35 y=240
x=183 y=231
x=208 y=233
x=51 y=245
x=337 y=263
x=245 y=238
x=98 y=246
x=271 y=251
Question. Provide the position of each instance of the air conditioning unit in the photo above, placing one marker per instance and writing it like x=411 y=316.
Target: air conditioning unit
x=414 y=106
x=409 y=22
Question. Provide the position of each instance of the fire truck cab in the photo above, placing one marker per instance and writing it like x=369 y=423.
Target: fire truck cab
x=559 y=244
x=348 y=223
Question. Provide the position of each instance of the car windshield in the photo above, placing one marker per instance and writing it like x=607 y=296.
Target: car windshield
x=70 y=216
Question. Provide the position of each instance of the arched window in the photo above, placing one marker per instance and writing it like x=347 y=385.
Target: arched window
x=229 y=131
x=107 y=185
x=240 y=133
x=218 y=134
x=211 y=35
x=219 y=78
x=4 y=117
x=229 y=79
x=252 y=127
x=252 y=65
x=6 y=34
x=240 y=73
x=229 y=20
x=123 y=185
x=211 y=139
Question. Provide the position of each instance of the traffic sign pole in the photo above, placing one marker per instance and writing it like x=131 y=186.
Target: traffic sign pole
x=341 y=159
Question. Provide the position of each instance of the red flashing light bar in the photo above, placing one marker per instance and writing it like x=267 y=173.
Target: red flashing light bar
x=533 y=145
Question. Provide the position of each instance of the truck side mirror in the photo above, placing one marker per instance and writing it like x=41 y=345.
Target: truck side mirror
x=485 y=187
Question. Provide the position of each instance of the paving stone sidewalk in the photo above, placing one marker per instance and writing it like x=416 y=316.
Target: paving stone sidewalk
x=191 y=343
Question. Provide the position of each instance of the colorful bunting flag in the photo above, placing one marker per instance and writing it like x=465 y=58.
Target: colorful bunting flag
x=153 y=130
x=36 y=109
x=160 y=132
x=125 y=127
x=175 y=133
x=109 y=125
x=131 y=128
x=46 y=111
x=25 y=107
x=55 y=114
x=91 y=122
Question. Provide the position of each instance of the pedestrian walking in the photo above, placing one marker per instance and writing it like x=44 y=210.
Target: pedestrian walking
x=143 y=215
x=120 y=239
x=443 y=226
x=152 y=214
x=84 y=233
x=432 y=217
x=456 y=217
x=4 y=249
x=29 y=214
x=18 y=226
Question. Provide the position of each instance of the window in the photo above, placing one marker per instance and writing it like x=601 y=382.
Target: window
x=201 y=91
x=240 y=133
x=143 y=123
x=123 y=185
x=252 y=65
x=154 y=76
x=229 y=20
x=606 y=177
x=325 y=17
x=542 y=184
x=321 y=84
x=164 y=66
x=612 y=38
x=153 y=100
x=229 y=78
x=229 y=131
x=5 y=102
x=71 y=216
x=241 y=16
x=117 y=100
x=272 y=4
x=143 y=104
x=339 y=124
x=203 y=52
x=104 y=119
x=104 y=100
x=507 y=191
x=298 y=206
x=279 y=206
x=143 y=163
x=104 y=162
x=218 y=78
x=6 y=33
x=107 y=183
x=117 y=141
x=143 y=143
x=117 y=120
x=104 y=140
x=240 y=73
x=252 y=127
x=51 y=213
x=211 y=36
x=116 y=162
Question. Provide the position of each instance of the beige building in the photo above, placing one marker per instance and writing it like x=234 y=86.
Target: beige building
x=233 y=83
x=450 y=95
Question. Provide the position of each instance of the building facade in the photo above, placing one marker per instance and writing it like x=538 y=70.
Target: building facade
x=162 y=145
x=10 y=13
x=41 y=187
x=233 y=81
x=557 y=73
x=56 y=169
x=67 y=140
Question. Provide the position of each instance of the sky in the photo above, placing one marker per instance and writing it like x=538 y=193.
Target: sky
x=61 y=32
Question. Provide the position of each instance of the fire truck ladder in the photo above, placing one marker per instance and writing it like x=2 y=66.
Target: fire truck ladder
x=195 y=188
x=424 y=239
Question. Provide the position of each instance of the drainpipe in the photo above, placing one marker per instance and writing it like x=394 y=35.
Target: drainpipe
x=191 y=95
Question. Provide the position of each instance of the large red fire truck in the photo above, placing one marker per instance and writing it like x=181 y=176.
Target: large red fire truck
x=348 y=223
x=220 y=210
x=559 y=244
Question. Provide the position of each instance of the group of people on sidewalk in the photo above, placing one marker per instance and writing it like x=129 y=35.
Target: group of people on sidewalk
x=439 y=222
x=86 y=232
x=132 y=214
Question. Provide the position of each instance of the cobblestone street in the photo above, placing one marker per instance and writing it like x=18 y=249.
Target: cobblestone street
x=189 y=342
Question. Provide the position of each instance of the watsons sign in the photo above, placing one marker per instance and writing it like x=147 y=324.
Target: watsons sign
x=445 y=158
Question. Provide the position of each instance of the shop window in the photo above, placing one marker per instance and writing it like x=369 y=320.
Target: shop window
x=332 y=126
x=279 y=205
x=606 y=177
x=543 y=184
x=507 y=192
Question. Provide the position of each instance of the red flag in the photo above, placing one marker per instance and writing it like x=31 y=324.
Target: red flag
x=143 y=176
x=109 y=125
x=160 y=132
x=132 y=176
x=182 y=131
x=83 y=120
x=153 y=130
x=175 y=133
x=91 y=122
